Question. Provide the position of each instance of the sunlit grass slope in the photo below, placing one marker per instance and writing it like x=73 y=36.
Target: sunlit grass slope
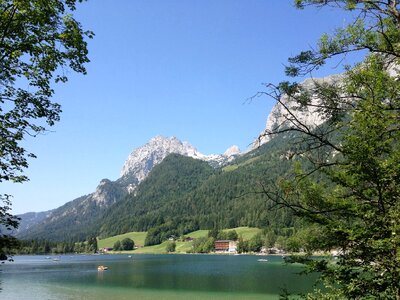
x=137 y=237
x=245 y=232
x=181 y=247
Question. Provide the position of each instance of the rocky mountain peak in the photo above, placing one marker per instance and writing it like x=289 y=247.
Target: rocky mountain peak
x=105 y=194
x=143 y=159
x=279 y=116
x=232 y=151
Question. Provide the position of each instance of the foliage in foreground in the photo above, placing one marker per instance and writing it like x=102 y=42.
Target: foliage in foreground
x=357 y=209
x=39 y=41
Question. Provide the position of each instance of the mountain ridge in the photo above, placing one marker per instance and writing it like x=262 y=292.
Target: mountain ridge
x=136 y=168
x=140 y=162
x=142 y=159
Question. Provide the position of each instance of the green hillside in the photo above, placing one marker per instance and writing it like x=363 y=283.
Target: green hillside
x=172 y=179
x=181 y=247
x=137 y=237
x=245 y=232
x=196 y=234
x=182 y=195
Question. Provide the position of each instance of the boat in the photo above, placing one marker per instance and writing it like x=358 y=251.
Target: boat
x=102 y=268
x=262 y=259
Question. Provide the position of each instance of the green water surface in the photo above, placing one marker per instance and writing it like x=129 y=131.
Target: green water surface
x=149 y=277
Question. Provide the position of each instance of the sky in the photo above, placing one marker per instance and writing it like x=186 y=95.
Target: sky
x=183 y=68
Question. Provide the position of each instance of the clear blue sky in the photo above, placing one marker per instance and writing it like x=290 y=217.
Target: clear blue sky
x=179 y=68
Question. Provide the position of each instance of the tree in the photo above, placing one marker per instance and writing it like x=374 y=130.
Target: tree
x=117 y=246
x=203 y=244
x=127 y=244
x=171 y=246
x=255 y=243
x=232 y=235
x=92 y=245
x=347 y=179
x=214 y=232
x=39 y=40
x=270 y=239
x=242 y=246
x=46 y=247
x=7 y=223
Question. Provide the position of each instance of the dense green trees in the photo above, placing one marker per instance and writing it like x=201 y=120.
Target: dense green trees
x=349 y=192
x=92 y=245
x=203 y=245
x=182 y=195
x=166 y=184
x=242 y=246
x=171 y=246
x=117 y=246
x=161 y=233
x=38 y=41
x=253 y=245
x=127 y=244
x=230 y=235
x=49 y=247
x=7 y=223
x=223 y=235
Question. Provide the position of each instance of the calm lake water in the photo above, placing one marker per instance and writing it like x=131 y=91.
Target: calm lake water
x=149 y=277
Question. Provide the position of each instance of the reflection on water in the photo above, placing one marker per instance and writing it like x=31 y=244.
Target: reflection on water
x=149 y=277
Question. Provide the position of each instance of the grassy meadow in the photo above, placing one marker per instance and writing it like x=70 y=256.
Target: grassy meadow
x=181 y=247
x=137 y=237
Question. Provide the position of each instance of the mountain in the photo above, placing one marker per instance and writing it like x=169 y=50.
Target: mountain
x=78 y=215
x=142 y=160
x=279 y=116
x=115 y=205
x=31 y=218
x=73 y=220
x=169 y=181
x=183 y=194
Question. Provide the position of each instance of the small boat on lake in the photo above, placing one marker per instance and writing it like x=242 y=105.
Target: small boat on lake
x=262 y=260
x=102 y=268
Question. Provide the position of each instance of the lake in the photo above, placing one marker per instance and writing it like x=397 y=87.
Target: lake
x=149 y=277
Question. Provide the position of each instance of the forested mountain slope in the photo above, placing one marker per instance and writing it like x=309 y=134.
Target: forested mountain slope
x=77 y=219
x=183 y=194
x=171 y=180
x=74 y=220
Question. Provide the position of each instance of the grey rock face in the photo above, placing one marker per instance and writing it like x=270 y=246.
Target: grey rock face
x=280 y=116
x=142 y=160
x=30 y=219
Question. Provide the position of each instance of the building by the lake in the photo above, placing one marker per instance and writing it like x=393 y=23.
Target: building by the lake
x=227 y=246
